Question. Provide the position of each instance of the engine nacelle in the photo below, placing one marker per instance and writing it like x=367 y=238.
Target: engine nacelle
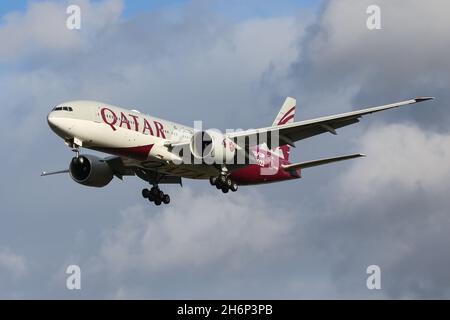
x=90 y=171
x=212 y=147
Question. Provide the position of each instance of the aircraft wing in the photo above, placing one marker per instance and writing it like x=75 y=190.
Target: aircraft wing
x=121 y=168
x=289 y=133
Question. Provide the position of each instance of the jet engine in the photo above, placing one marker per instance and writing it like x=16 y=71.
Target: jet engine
x=212 y=147
x=90 y=171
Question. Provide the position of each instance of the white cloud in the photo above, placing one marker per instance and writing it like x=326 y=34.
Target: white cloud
x=399 y=157
x=405 y=59
x=41 y=30
x=409 y=27
x=13 y=263
x=195 y=232
x=391 y=209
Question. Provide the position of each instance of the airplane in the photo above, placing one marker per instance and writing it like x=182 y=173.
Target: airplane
x=165 y=152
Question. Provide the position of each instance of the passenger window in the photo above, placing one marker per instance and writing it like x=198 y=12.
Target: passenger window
x=65 y=109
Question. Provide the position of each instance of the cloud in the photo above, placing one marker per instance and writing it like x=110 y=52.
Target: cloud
x=41 y=30
x=404 y=59
x=196 y=232
x=12 y=263
x=405 y=193
x=390 y=209
x=37 y=59
x=401 y=157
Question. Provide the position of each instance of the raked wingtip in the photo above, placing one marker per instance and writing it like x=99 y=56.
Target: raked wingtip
x=420 y=99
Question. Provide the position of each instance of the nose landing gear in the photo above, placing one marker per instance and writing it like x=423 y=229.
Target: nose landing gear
x=74 y=144
x=156 y=195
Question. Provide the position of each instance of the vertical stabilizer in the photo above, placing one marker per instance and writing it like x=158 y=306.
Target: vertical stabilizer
x=286 y=115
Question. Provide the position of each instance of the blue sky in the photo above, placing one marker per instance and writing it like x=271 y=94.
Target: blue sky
x=12 y=5
x=234 y=8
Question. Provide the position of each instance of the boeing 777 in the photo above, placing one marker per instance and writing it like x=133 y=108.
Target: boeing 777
x=164 y=152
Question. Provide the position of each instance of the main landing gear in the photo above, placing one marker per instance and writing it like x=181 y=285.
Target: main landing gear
x=156 y=195
x=224 y=183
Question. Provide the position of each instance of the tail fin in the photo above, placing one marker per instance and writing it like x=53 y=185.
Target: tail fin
x=286 y=115
x=287 y=112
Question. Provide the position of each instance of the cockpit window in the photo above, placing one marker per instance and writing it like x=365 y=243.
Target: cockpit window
x=63 y=109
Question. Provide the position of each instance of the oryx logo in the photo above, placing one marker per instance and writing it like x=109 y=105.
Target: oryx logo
x=287 y=116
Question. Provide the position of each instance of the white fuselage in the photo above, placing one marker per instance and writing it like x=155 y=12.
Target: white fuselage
x=138 y=138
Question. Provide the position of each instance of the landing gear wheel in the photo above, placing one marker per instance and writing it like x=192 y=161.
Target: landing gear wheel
x=166 y=199
x=156 y=196
x=228 y=183
x=222 y=180
x=154 y=191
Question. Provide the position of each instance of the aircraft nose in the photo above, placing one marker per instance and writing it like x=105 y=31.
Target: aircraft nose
x=56 y=123
x=60 y=123
x=51 y=120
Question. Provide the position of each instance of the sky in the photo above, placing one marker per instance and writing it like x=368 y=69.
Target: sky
x=231 y=66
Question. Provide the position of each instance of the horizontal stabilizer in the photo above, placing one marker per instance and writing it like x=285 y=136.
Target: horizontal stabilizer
x=313 y=163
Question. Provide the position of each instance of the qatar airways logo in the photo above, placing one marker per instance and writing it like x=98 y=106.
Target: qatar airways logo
x=110 y=118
